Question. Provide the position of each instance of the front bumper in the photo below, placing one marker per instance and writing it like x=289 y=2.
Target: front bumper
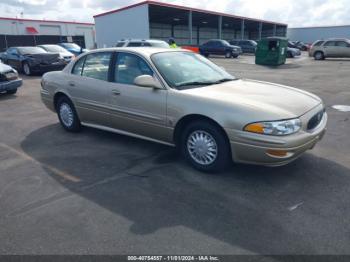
x=237 y=52
x=254 y=148
x=10 y=85
x=41 y=68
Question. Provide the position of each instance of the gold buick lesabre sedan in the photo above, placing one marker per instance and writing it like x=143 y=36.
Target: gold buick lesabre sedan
x=182 y=99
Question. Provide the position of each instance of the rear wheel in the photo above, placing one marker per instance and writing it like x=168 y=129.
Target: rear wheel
x=11 y=92
x=26 y=69
x=205 y=146
x=67 y=115
x=319 y=56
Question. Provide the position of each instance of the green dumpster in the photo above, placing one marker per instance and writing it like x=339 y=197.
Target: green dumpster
x=271 y=51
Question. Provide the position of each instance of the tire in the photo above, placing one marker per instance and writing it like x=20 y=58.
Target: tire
x=290 y=55
x=11 y=92
x=319 y=56
x=228 y=54
x=235 y=56
x=67 y=115
x=26 y=69
x=216 y=153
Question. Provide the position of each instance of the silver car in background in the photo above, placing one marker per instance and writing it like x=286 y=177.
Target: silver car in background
x=63 y=53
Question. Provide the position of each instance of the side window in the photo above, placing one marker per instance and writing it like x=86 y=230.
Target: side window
x=120 y=44
x=96 y=65
x=134 y=44
x=342 y=44
x=329 y=43
x=78 y=67
x=146 y=44
x=128 y=67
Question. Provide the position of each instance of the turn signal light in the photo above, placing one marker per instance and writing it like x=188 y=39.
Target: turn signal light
x=255 y=128
x=278 y=153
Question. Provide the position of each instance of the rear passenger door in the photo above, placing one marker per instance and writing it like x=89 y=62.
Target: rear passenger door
x=90 y=87
x=135 y=109
x=343 y=48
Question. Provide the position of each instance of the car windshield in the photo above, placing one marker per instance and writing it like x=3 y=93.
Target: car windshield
x=160 y=44
x=31 y=50
x=71 y=45
x=184 y=70
x=54 y=48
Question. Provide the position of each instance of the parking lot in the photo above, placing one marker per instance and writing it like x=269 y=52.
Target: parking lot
x=101 y=193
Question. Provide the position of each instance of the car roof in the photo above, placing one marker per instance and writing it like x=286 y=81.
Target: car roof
x=145 y=51
x=141 y=40
x=337 y=39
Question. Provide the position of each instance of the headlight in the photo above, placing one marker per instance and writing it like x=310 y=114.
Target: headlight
x=275 y=128
x=235 y=49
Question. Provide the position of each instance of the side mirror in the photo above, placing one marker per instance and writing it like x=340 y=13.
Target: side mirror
x=147 y=81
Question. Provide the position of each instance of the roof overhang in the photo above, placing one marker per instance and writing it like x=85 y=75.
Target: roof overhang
x=195 y=10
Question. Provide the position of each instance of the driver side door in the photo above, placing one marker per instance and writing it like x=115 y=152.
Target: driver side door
x=135 y=109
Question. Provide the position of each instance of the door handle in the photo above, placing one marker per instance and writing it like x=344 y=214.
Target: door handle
x=71 y=83
x=116 y=92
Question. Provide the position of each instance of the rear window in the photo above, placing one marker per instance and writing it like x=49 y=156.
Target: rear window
x=96 y=65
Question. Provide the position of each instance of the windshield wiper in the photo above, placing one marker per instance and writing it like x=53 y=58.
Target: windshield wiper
x=195 y=83
x=205 y=83
x=225 y=80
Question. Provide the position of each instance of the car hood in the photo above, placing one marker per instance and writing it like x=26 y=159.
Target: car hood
x=66 y=54
x=278 y=101
x=293 y=49
x=5 y=68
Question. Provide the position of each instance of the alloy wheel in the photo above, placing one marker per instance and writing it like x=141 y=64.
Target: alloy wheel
x=202 y=147
x=66 y=114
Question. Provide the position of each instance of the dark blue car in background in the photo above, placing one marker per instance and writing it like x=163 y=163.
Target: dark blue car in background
x=32 y=59
x=73 y=48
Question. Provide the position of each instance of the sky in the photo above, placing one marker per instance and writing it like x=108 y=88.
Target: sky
x=296 y=13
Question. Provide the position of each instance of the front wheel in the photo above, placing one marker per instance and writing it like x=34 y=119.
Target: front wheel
x=228 y=54
x=67 y=115
x=205 y=146
x=26 y=69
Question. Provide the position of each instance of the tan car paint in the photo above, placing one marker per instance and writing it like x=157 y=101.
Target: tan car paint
x=332 y=51
x=154 y=113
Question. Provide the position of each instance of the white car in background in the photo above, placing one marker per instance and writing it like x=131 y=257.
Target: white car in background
x=64 y=53
x=142 y=43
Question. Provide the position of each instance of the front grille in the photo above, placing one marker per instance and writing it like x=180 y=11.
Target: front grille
x=315 y=120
